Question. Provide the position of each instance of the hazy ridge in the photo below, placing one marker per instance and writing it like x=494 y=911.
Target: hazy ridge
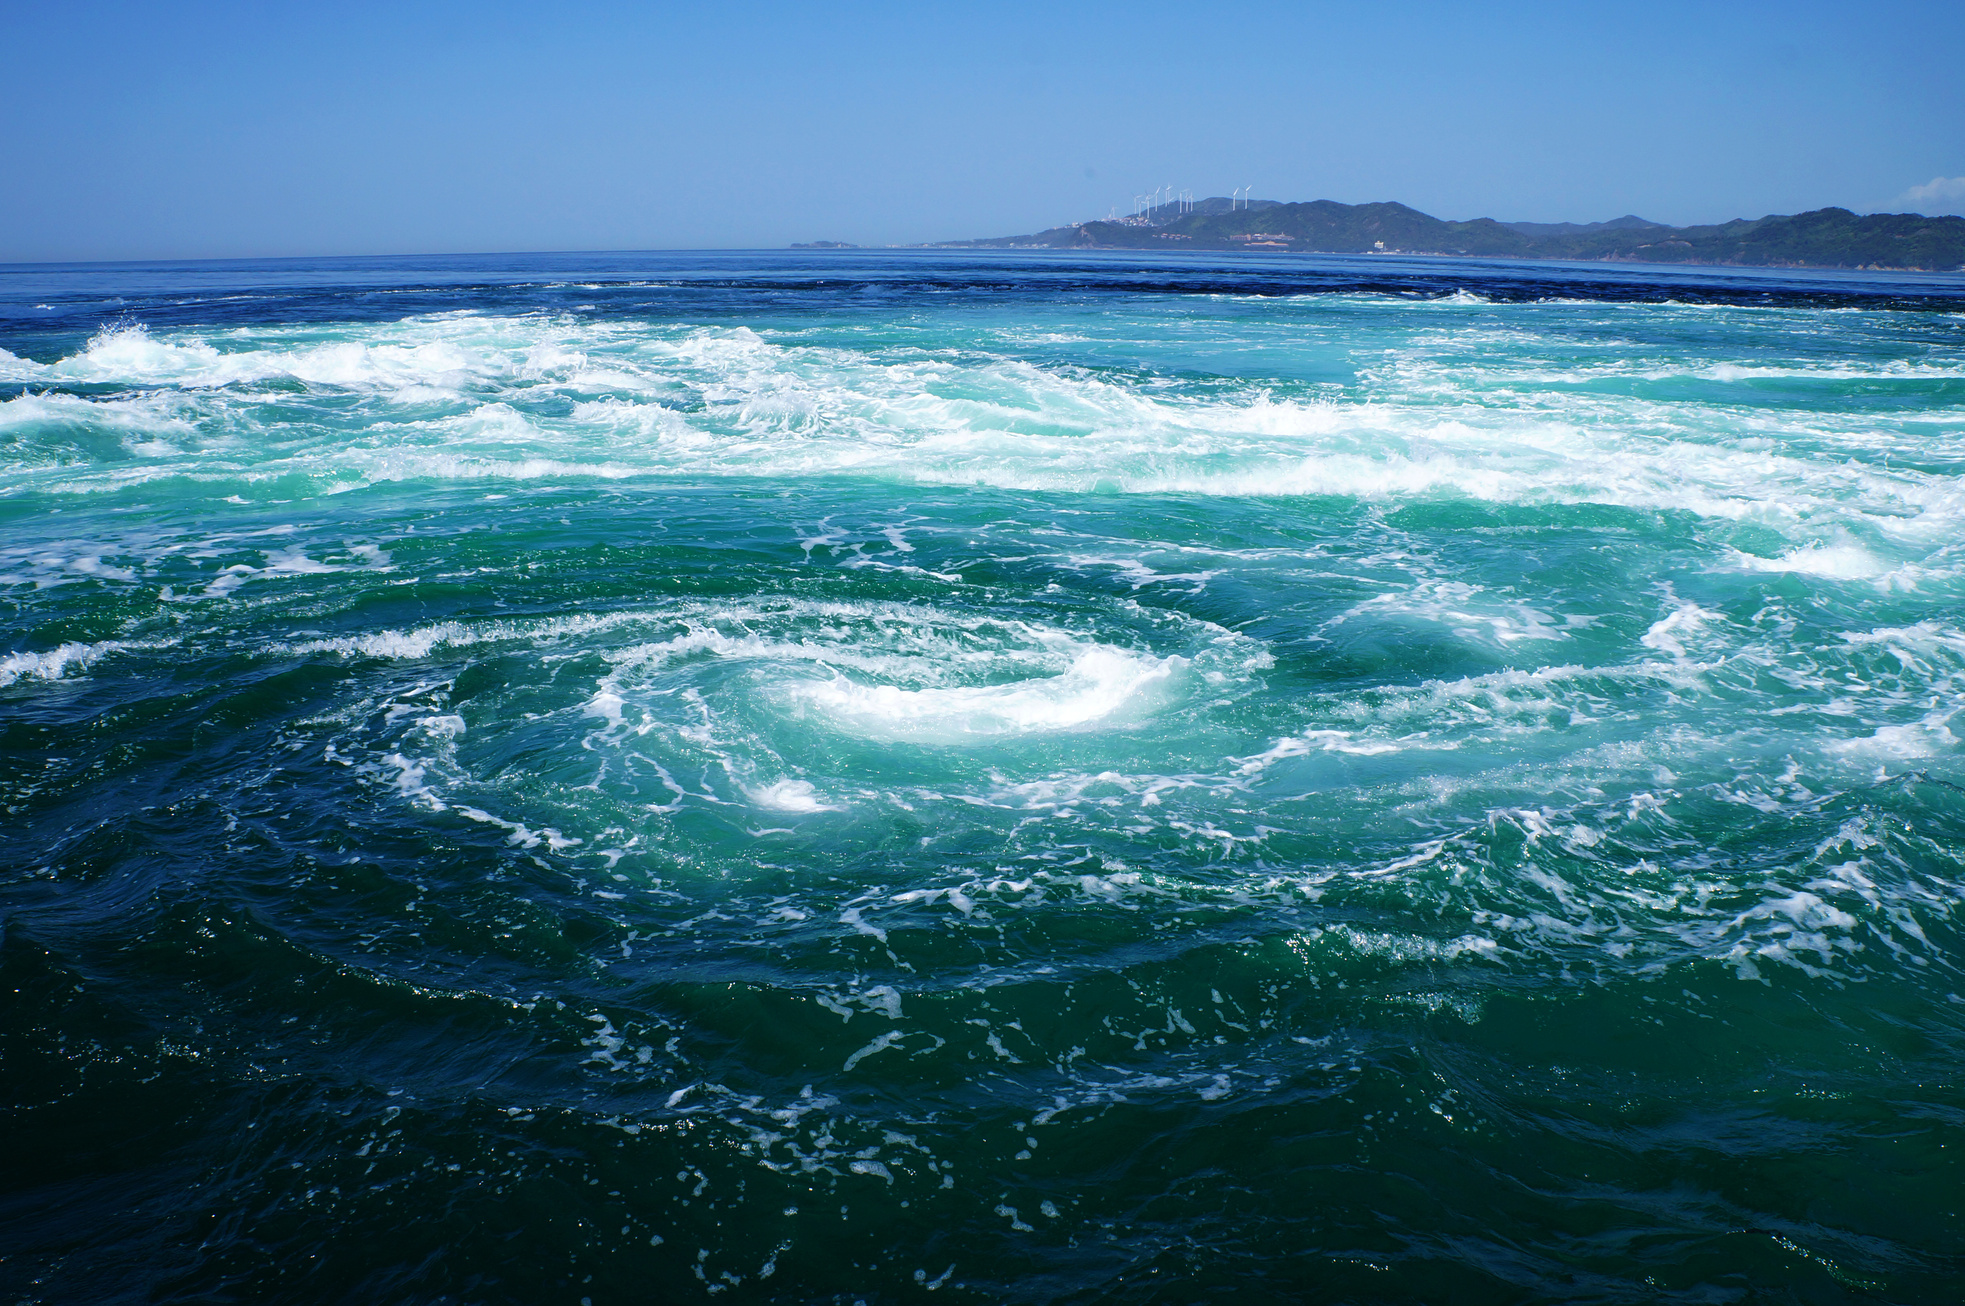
x=1828 y=238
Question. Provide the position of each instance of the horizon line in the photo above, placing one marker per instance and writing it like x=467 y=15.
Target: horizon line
x=943 y=244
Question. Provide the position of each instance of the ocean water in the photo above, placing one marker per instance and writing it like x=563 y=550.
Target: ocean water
x=893 y=777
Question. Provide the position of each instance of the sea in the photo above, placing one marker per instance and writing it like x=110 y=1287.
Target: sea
x=980 y=776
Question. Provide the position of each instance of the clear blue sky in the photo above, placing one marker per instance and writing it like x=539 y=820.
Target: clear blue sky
x=211 y=130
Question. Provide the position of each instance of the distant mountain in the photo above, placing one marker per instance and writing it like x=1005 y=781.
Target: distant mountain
x=1831 y=238
x=1629 y=222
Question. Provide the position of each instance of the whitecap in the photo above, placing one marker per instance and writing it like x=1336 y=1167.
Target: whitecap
x=56 y=663
x=1835 y=561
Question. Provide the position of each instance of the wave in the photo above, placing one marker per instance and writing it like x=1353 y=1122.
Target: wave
x=58 y=663
x=465 y=397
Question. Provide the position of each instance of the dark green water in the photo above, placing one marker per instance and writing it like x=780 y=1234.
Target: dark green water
x=955 y=779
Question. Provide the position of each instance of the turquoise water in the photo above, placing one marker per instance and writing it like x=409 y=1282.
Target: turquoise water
x=963 y=777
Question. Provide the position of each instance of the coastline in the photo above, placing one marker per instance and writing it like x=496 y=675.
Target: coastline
x=1271 y=251
x=1826 y=238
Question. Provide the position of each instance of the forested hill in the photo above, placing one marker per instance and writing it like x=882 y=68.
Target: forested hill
x=1831 y=238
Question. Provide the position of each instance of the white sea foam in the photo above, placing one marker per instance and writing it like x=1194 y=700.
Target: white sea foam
x=57 y=663
x=457 y=397
x=1837 y=561
x=1324 y=741
x=797 y=796
x=1479 y=406
x=1927 y=638
x=911 y=673
x=56 y=427
x=1912 y=741
x=421 y=641
x=1101 y=684
x=1463 y=608
x=1668 y=635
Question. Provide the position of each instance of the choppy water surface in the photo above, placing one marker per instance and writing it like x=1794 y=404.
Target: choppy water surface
x=921 y=777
